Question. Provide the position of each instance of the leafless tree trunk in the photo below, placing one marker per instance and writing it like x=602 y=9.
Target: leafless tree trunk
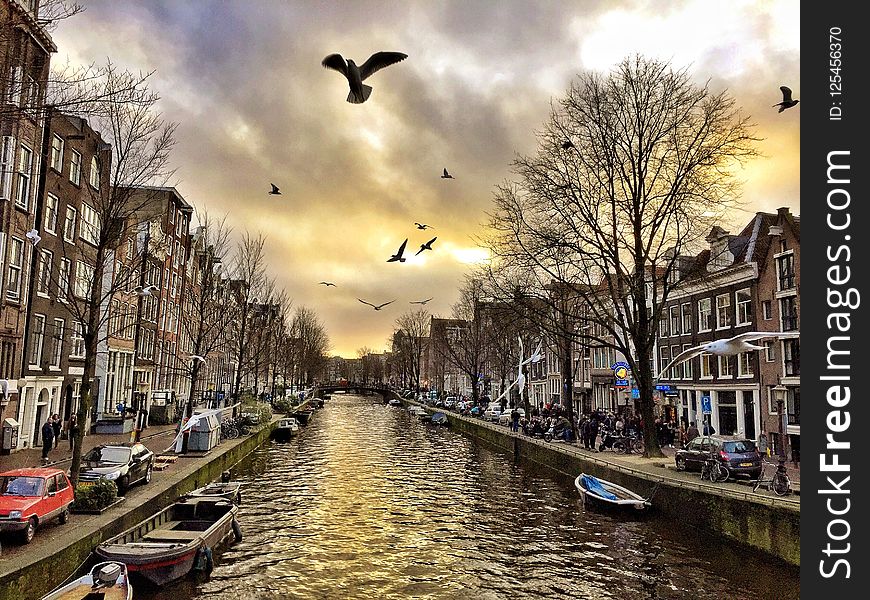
x=413 y=329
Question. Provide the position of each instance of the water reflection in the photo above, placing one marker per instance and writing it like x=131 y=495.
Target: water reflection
x=369 y=503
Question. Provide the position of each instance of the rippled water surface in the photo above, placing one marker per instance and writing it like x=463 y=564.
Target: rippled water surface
x=369 y=503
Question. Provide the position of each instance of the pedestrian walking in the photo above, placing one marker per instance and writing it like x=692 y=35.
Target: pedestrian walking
x=56 y=426
x=515 y=420
x=47 y=439
x=72 y=429
x=692 y=432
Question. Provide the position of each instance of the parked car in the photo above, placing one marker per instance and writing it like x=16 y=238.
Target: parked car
x=739 y=454
x=31 y=497
x=505 y=417
x=492 y=412
x=450 y=402
x=125 y=465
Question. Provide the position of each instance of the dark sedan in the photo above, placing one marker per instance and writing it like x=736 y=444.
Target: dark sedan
x=738 y=454
x=125 y=465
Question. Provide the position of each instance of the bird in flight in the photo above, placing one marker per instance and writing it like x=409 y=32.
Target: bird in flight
x=420 y=301
x=398 y=255
x=33 y=236
x=197 y=358
x=426 y=246
x=355 y=75
x=567 y=144
x=446 y=175
x=423 y=226
x=327 y=283
x=787 y=102
x=148 y=290
x=376 y=307
x=274 y=191
x=728 y=347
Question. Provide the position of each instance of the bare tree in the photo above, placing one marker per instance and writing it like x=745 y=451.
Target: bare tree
x=247 y=281
x=466 y=346
x=412 y=336
x=312 y=343
x=595 y=227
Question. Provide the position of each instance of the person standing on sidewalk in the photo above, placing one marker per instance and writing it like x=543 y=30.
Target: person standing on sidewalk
x=56 y=426
x=515 y=420
x=72 y=429
x=47 y=439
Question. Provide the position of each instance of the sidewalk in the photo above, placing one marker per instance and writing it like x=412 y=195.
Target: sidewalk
x=155 y=437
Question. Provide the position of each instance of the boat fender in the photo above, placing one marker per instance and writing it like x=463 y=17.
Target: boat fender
x=204 y=559
x=237 y=531
x=238 y=498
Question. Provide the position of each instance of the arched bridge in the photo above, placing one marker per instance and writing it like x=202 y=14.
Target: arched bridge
x=355 y=388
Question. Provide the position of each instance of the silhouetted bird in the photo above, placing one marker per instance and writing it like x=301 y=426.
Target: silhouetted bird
x=275 y=191
x=446 y=175
x=420 y=301
x=355 y=75
x=787 y=102
x=398 y=255
x=327 y=283
x=423 y=226
x=196 y=358
x=148 y=290
x=376 y=307
x=33 y=236
x=426 y=246
x=567 y=144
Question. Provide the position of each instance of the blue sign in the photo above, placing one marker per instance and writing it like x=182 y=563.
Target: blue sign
x=666 y=387
x=706 y=408
x=620 y=374
x=635 y=393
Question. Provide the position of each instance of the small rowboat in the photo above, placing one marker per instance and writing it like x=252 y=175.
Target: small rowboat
x=229 y=490
x=107 y=580
x=439 y=418
x=286 y=429
x=609 y=494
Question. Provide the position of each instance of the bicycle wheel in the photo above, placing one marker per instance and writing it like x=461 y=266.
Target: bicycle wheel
x=758 y=482
x=780 y=484
x=722 y=473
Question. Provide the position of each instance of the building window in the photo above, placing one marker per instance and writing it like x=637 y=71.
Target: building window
x=675 y=319
x=706 y=366
x=723 y=311
x=16 y=262
x=84 y=279
x=744 y=365
x=57 y=153
x=769 y=351
x=7 y=160
x=57 y=342
x=63 y=279
x=788 y=313
x=664 y=329
x=686 y=311
x=705 y=315
x=89 y=229
x=37 y=337
x=665 y=352
x=130 y=249
x=50 y=213
x=744 y=307
x=25 y=164
x=791 y=356
x=43 y=273
x=78 y=341
x=767 y=310
x=725 y=366
x=785 y=271
x=95 y=173
x=75 y=167
x=69 y=225
x=687 y=366
x=677 y=370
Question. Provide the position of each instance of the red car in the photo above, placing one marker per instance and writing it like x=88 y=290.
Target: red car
x=30 y=497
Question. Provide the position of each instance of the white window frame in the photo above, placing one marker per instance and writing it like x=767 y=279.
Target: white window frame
x=686 y=317
x=70 y=212
x=769 y=351
x=702 y=313
x=83 y=280
x=677 y=370
x=723 y=309
x=63 y=277
x=37 y=339
x=744 y=365
x=57 y=145
x=676 y=321
x=51 y=205
x=57 y=343
x=75 y=167
x=706 y=361
x=687 y=365
x=767 y=310
x=743 y=306
x=77 y=348
x=23 y=177
x=43 y=272
x=89 y=225
x=94 y=175
x=724 y=360
x=7 y=166
x=14 y=292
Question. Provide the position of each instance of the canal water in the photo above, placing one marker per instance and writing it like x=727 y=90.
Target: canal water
x=367 y=502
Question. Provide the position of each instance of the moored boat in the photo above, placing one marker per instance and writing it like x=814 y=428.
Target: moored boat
x=606 y=493
x=227 y=490
x=439 y=418
x=286 y=428
x=106 y=581
x=166 y=546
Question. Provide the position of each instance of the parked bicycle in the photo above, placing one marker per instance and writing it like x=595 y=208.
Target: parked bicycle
x=229 y=431
x=778 y=482
x=714 y=470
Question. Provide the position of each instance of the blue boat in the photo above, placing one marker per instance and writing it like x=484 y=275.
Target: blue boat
x=605 y=493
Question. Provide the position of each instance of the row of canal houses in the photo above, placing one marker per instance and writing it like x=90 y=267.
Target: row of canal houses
x=53 y=168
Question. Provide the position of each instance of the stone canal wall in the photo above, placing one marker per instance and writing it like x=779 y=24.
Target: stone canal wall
x=763 y=522
x=32 y=575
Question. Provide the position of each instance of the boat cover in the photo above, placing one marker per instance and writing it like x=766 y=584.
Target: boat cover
x=594 y=486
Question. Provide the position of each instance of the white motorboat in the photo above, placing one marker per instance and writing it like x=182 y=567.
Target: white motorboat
x=107 y=580
x=606 y=493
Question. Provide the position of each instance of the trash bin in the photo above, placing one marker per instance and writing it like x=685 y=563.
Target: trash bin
x=8 y=436
x=205 y=435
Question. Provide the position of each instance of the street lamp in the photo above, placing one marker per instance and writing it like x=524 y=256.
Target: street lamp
x=779 y=394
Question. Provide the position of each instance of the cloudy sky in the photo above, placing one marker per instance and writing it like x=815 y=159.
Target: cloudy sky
x=243 y=80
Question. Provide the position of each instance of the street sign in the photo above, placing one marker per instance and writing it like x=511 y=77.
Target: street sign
x=620 y=374
x=666 y=387
x=706 y=408
x=635 y=393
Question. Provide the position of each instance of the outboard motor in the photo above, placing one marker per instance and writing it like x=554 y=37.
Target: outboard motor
x=108 y=575
x=225 y=477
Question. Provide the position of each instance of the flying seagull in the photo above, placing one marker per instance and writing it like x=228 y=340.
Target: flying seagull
x=567 y=144
x=426 y=246
x=728 y=347
x=398 y=255
x=446 y=175
x=275 y=191
x=146 y=291
x=787 y=102
x=420 y=301
x=423 y=225
x=197 y=358
x=327 y=283
x=376 y=307
x=355 y=75
x=33 y=236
